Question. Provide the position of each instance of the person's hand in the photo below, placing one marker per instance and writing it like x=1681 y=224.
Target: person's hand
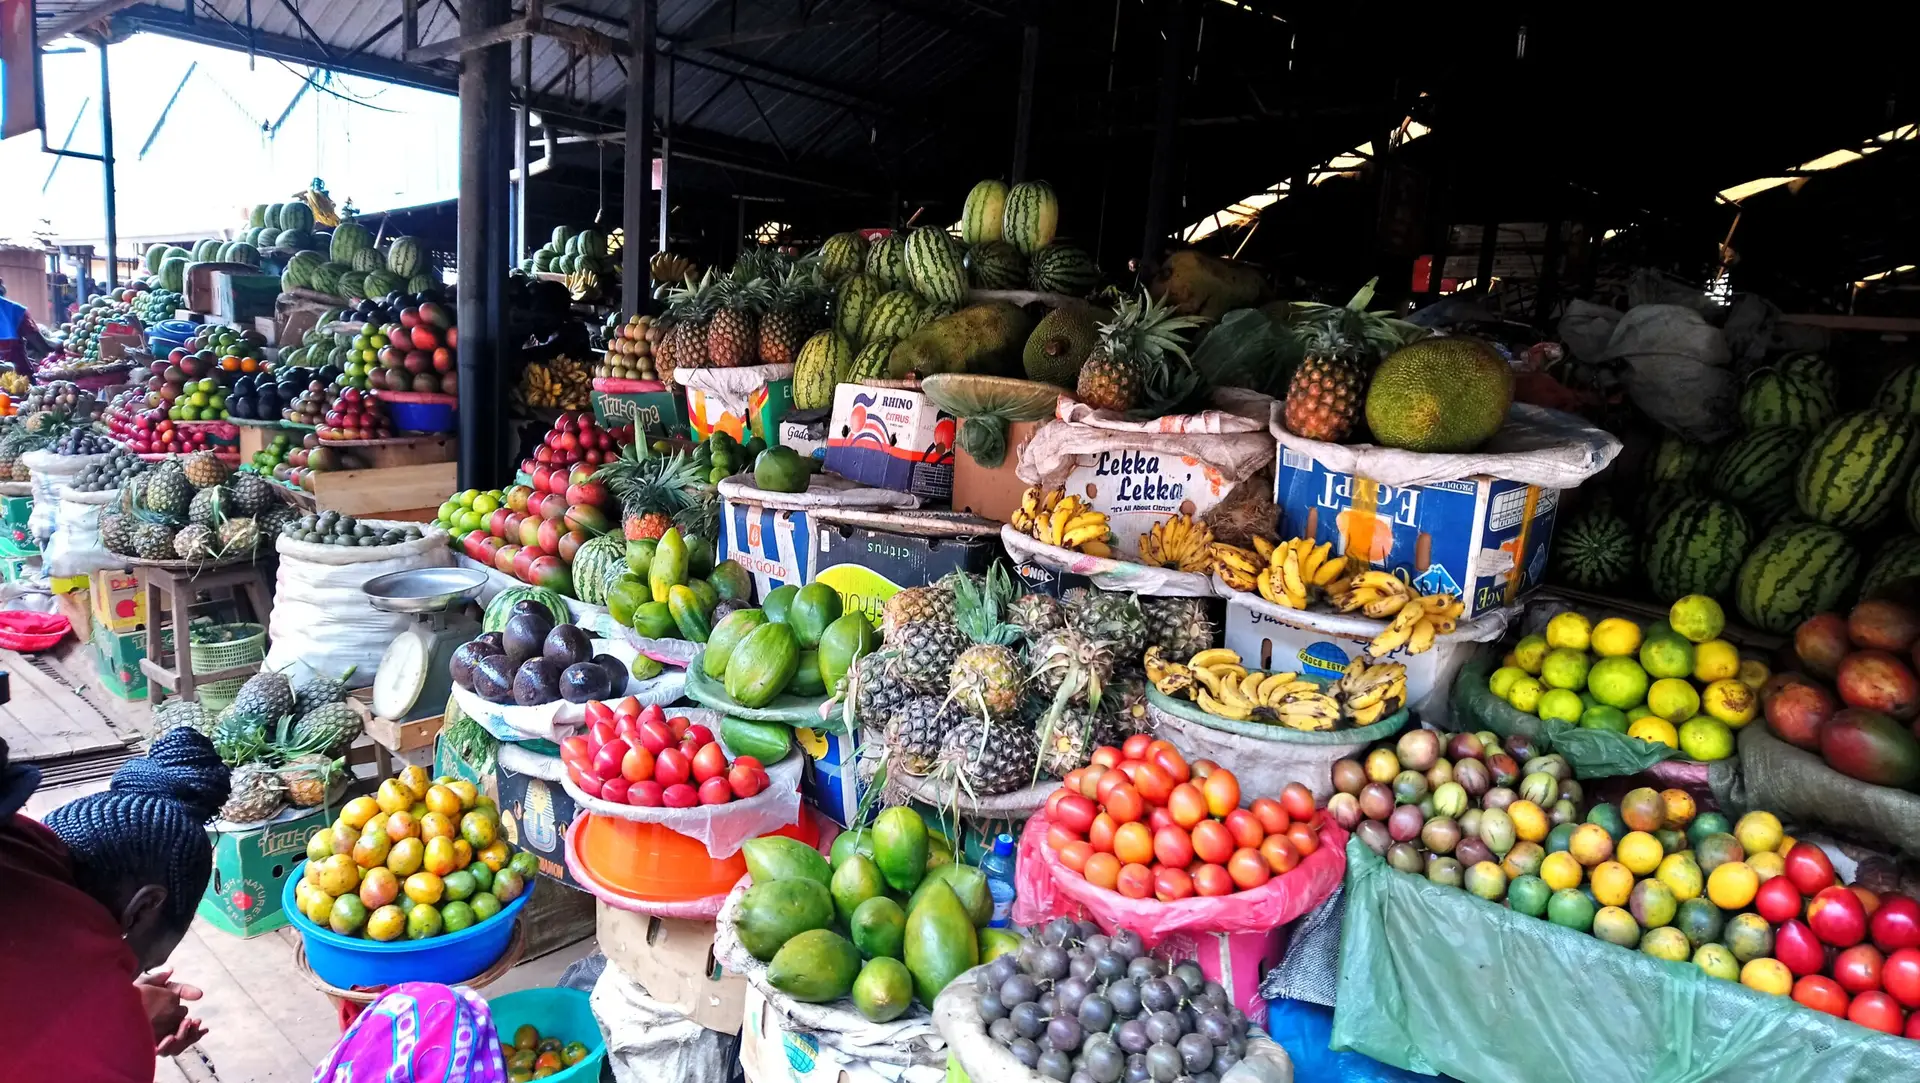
x=191 y=1030
x=165 y=1003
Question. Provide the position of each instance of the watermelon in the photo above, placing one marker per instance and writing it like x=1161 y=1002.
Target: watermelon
x=242 y=252
x=153 y=255
x=300 y=269
x=353 y=284
x=295 y=216
x=842 y=255
x=561 y=235
x=996 y=265
x=591 y=243
x=258 y=216
x=1774 y=398
x=273 y=214
x=1900 y=392
x=887 y=261
x=984 y=216
x=1855 y=465
x=852 y=304
x=326 y=278
x=267 y=238
x=893 y=317
x=543 y=261
x=933 y=261
x=1696 y=549
x=871 y=362
x=367 y=259
x=1062 y=268
x=1796 y=571
x=422 y=283
x=597 y=562
x=173 y=273
x=1680 y=462
x=825 y=361
x=1811 y=366
x=349 y=240
x=1595 y=551
x=296 y=240
x=1897 y=560
x=1032 y=216
x=207 y=251
x=495 y=617
x=407 y=256
x=381 y=283
x=1758 y=468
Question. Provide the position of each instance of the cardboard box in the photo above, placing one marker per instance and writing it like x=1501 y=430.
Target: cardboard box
x=119 y=600
x=867 y=564
x=117 y=656
x=891 y=439
x=831 y=782
x=1481 y=538
x=672 y=958
x=250 y=871
x=654 y=412
x=199 y=288
x=243 y=296
x=777 y=547
x=992 y=494
x=120 y=347
x=1140 y=488
x=18 y=561
x=758 y=413
x=14 y=513
x=808 y=437
x=535 y=810
x=1039 y=580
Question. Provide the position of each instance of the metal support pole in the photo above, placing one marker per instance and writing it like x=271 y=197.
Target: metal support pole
x=636 y=281
x=739 y=227
x=106 y=165
x=481 y=259
x=522 y=131
x=1166 y=118
x=1023 y=116
x=666 y=158
x=1548 y=290
x=1489 y=240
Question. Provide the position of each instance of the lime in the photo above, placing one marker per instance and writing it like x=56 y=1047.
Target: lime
x=1569 y=630
x=1673 y=699
x=1530 y=652
x=1667 y=656
x=1618 y=682
x=456 y=916
x=1715 y=660
x=1705 y=739
x=1697 y=617
x=1635 y=714
x=1525 y=694
x=1501 y=682
x=460 y=885
x=1562 y=705
x=1603 y=717
x=1564 y=667
x=1571 y=908
x=1616 y=637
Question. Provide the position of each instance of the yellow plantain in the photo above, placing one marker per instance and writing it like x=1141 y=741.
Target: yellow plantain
x=1422 y=639
x=1097 y=549
x=1214 y=707
x=1250 y=686
x=1264 y=581
x=1329 y=571
x=1295 y=586
x=1214 y=656
x=1263 y=546
x=1389 y=606
x=1206 y=678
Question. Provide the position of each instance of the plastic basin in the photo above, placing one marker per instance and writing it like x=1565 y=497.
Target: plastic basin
x=419 y=411
x=653 y=863
x=566 y=1014
x=349 y=961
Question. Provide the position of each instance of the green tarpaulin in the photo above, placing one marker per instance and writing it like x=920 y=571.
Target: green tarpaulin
x=1591 y=753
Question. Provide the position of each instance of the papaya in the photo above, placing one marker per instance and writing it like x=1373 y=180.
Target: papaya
x=768 y=742
x=879 y=928
x=883 y=990
x=640 y=555
x=627 y=594
x=814 y=607
x=781 y=470
x=854 y=840
x=997 y=942
x=845 y=640
x=732 y=581
x=816 y=966
x=699 y=555
x=777 y=857
x=778 y=601
x=688 y=616
x=727 y=635
x=761 y=665
x=644 y=668
x=968 y=884
x=900 y=847
x=855 y=881
x=806 y=678
x=668 y=568
x=939 y=944
x=774 y=912
x=654 y=620
x=705 y=591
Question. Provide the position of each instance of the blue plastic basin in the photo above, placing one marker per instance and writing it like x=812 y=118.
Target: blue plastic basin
x=423 y=417
x=347 y=961
x=566 y=1014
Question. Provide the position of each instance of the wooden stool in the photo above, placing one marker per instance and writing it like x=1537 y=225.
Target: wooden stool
x=173 y=592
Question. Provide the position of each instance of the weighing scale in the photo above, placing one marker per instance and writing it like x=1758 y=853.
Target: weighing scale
x=412 y=681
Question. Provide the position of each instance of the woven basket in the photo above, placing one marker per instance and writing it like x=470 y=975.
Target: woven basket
x=248 y=649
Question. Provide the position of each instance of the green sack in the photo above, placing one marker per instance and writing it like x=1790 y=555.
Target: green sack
x=1591 y=753
x=1799 y=787
x=1433 y=979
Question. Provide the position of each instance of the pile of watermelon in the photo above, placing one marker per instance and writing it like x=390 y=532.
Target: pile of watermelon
x=570 y=251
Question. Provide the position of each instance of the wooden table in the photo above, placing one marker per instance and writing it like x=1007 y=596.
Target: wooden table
x=173 y=592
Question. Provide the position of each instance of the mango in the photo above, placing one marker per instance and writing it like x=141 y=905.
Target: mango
x=815 y=966
x=900 y=847
x=940 y=943
x=854 y=882
x=883 y=990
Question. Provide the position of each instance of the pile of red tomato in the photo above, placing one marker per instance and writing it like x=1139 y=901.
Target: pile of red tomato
x=1142 y=821
x=1853 y=954
x=639 y=756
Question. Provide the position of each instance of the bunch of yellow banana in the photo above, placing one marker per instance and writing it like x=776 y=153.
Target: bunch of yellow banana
x=1171 y=678
x=1370 y=691
x=1181 y=542
x=1216 y=680
x=1238 y=568
x=1297 y=570
x=1056 y=518
x=562 y=382
x=1416 y=622
x=321 y=204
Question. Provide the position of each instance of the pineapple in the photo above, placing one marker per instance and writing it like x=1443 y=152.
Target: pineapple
x=251 y=494
x=878 y=690
x=915 y=604
x=991 y=757
x=656 y=491
x=256 y=793
x=1135 y=357
x=238 y=535
x=182 y=712
x=986 y=677
x=1066 y=741
x=1180 y=627
x=928 y=650
x=329 y=727
x=194 y=542
x=733 y=335
x=237 y=738
x=660 y=342
x=1066 y=659
x=1344 y=344
x=266 y=696
x=204 y=470
x=1036 y=614
x=1123 y=713
x=1112 y=617
x=307 y=777
x=168 y=492
x=319 y=690
x=693 y=309
x=153 y=541
x=918 y=731
x=788 y=320
x=116 y=531
x=208 y=507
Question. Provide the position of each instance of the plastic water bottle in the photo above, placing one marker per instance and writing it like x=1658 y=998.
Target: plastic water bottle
x=998 y=867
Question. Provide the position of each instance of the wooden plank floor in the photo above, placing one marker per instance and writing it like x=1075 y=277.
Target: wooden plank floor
x=48 y=720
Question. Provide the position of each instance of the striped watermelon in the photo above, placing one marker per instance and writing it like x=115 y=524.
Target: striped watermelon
x=173 y=274
x=1773 y=398
x=852 y=304
x=407 y=256
x=825 y=362
x=1062 y=268
x=893 y=317
x=295 y=216
x=1900 y=392
x=933 y=261
x=422 y=283
x=242 y=252
x=1811 y=366
x=871 y=362
x=1758 y=467
x=258 y=216
x=887 y=261
x=353 y=284
x=842 y=255
x=1696 y=549
x=1898 y=559
x=1032 y=217
x=153 y=255
x=1855 y=465
x=932 y=311
x=1680 y=462
x=1595 y=550
x=501 y=607
x=367 y=259
x=207 y=250
x=592 y=562
x=349 y=240
x=1795 y=572
x=996 y=265
x=985 y=212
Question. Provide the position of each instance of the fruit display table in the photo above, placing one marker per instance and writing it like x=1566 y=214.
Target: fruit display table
x=171 y=587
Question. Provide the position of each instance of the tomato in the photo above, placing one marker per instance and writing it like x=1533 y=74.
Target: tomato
x=1304 y=839
x=1246 y=829
x=1090 y=777
x=1203 y=768
x=1058 y=836
x=1223 y=792
x=1104 y=756
x=671 y=767
x=1807 y=866
x=1100 y=835
x=1913 y=1025
x=1172 y=885
x=1053 y=804
x=1837 y=917
x=598 y=712
x=1877 y=1011
x=1895 y=925
x=1212 y=842
x=1822 y=994
x=1074 y=856
x=1107 y=782
x=589 y=784
x=1248 y=869
x=1133 y=844
x=637 y=764
x=1172 y=762
x=1778 y=900
x=1187 y=805
x=1280 y=854
x=646 y=794
x=1857 y=969
x=1075 y=813
x=1158 y=817
x=628 y=729
x=1158 y=744
x=1135 y=747
x=1153 y=783
x=1102 y=870
x=1212 y=880
x=1900 y=975
x=1128 y=767
x=1273 y=817
x=1297 y=800
x=655 y=736
x=1173 y=846
x=679 y=725
x=1123 y=804
x=1136 y=881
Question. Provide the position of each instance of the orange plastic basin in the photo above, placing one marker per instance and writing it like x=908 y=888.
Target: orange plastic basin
x=652 y=863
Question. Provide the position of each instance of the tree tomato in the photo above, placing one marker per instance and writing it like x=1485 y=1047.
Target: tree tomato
x=1173 y=846
x=1153 y=783
x=1822 y=994
x=1857 y=969
x=1058 y=836
x=1778 y=900
x=1074 y=856
x=614 y=789
x=1273 y=816
x=1212 y=842
x=1100 y=835
x=1102 y=870
x=1135 y=747
x=1123 y=804
x=1090 y=779
x=1104 y=756
x=1900 y=975
x=1202 y=768
x=1807 y=866
x=1246 y=829
x=1896 y=924
x=1136 y=881
x=1187 y=805
x=1212 y=880
x=637 y=764
x=1158 y=818
x=1280 y=854
x=1172 y=885
x=1075 y=813
x=1304 y=838
x=1876 y=1010
x=1173 y=763
x=1248 y=869
x=1222 y=791
x=1133 y=844
x=1297 y=800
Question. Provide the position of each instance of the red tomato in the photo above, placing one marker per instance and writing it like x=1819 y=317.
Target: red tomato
x=655 y=736
x=628 y=728
x=1203 y=768
x=1913 y=1025
x=1280 y=854
x=1107 y=782
x=1102 y=870
x=614 y=789
x=1273 y=817
x=1100 y=835
x=1158 y=744
x=589 y=784
x=1895 y=925
x=1877 y=1011
x=1136 y=881
x=1246 y=829
x=671 y=767
x=1223 y=792
x=1248 y=869
x=637 y=764
x=1173 y=763
x=1105 y=756
x=627 y=708
x=716 y=791
x=1058 y=836
x=1153 y=784
x=652 y=712
x=1123 y=804
x=1778 y=900
x=1133 y=844
x=1807 y=866
x=1297 y=800
x=1158 y=817
x=1901 y=976
x=680 y=795
x=750 y=761
x=1172 y=885
x=1090 y=779
x=600 y=733
x=1074 y=856
x=1303 y=838
x=645 y=794
x=1212 y=842
x=1212 y=880
x=1135 y=747
x=1822 y=994
x=1187 y=805
x=1173 y=846
x=1128 y=767
x=1076 y=813
x=1857 y=969
x=598 y=712
x=1837 y=917
x=606 y=759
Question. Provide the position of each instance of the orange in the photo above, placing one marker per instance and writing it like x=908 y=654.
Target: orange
x=393 y=796
x=1530 y=821
x=1759 y=832
x=416 y=781
x=1640 y=852
x=1680 y=808
x=1767 y=976
x=1612 y=883
x=468 y=792
x=406 y=856
x=495 y=855
x=1732 y=885
x=444 y=801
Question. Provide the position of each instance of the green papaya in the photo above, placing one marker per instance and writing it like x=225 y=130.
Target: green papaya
x=997 y=942
x=725 y=636
x=625 y=595
x=654 y=620
x=699 y=556
x=731 y=581
x=883 y=990
x=816 y=606
x=644 y=668
x=968 y=884
x=855 y=881
x=778 y=601
x=668 y=569
x=900 y=847
x=640 y=555
x=768 y=742
x=762 y=665
x=939 y=944
x=854 y=840
x=846 y=639
x=806 y=677
x=774 y=912
x=777 y=857
x=879 y=928
x=816 y=966
x=781 y=470
x=688 y=616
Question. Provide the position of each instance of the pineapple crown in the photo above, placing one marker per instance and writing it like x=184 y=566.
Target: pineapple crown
x=744 y=290
x=647 y=481
x=692 y=300
x=978 y=604
x=1349 y=331
x=1145 y=333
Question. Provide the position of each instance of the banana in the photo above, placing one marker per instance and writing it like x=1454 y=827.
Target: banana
x=1250 y=686
x=1390 y=606
x=1086 y=531
x=1270 y=684
x=1057 y=521
x=1206 y=678
x=1329 y=570
x=1295 y=585
x=1214 y=656
x=1097 y=549
x=1230 y=695
x=1263 y=547
x=1422 y=639
x=1235 y=557
x=1214 y=707
x=1264 y=581
x=1239 y=580
x=1234 y=672
x=1311 y=560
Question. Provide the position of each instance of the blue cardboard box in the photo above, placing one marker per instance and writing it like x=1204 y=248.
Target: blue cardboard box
x=891 y=438
x=1482 y=538
x=776 y=546
x=832 y=779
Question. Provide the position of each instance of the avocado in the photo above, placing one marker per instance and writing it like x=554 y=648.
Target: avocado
x=537 y=681
x=584 y=682
x=979 y=338
x=617 y=673
x=465 y=658
x=566 y=645
x=525 y=636
x=492 y=680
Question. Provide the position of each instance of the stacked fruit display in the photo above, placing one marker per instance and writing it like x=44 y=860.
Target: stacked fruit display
x=309 y=406
x=560 y=382
x=102 y=313
x=1853 y=698
x=1299 y=574
x=1674 y=682
x=1214 y=678
x=531 y=1056
x=536 y=535
x=575 y=438
x=275 y=452
x=797 y=643
x=299 y=464
x=269 y=394
x=191 y=508
x=638 y=756
x=155 y=305
x=283 y=744
x=415 y=351
x=420 y=858
x=148 y=430
x=629 y=356
x=833 y=930
x=61 y=400
x=1142 y=821
x=1069 y=522
x=82 y=440
x=333 y=528
x=585 y=256
x=355 y=415
x=533 y=660
x=109 y=474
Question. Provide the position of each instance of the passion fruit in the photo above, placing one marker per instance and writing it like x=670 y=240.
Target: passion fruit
x=1405 y=823
x=1376 y=801
x=1418 y=749
x=1349 y=776
x=1406 y=857
x=1441 y=834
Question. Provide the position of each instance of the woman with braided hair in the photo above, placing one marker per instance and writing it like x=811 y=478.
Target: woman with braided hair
x=100 y=893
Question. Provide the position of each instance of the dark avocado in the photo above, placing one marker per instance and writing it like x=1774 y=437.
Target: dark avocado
x=617 y=673
x=465 y=657
x=524 y=635
x=537 y=681
x=585 y=682
x=528 y=605
x=492 y=680
x=566 y=646
x=495 y=642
